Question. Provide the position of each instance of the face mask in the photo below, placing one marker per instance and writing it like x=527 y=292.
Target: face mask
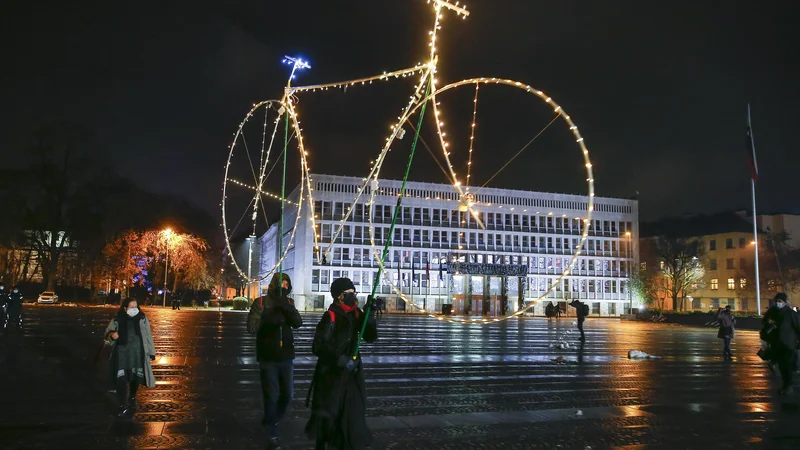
x=350 y=299
x=780 y=304
x=133 y=312
x=15 y=291
x=2 y=288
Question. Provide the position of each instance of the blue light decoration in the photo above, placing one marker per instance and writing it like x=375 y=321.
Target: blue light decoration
x=296 y=64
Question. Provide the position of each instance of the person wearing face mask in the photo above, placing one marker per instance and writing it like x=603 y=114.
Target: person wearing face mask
x=272 y=318
x=133 y=350
x=14 y=309
x=338 y=393
x=788 y=329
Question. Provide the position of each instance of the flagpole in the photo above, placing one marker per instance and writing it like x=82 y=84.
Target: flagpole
x=755 y=217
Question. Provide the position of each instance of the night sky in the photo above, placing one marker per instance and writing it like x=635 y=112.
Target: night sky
x=659 y=89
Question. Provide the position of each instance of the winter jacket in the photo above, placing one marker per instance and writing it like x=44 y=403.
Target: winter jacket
x=338 y=406
x=271 y=319
x=147 y=344
x=788 y=328
x=726 y=323
x=15 y=301
x=578 y=305
x=4 y=298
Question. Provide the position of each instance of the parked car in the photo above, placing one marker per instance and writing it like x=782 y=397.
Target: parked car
x=100 y=297
x=48 y=297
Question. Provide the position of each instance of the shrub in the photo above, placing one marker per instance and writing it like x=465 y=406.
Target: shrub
x=241 y=304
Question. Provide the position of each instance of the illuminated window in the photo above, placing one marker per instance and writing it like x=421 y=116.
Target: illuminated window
x=661 y=265
x=714 y=284
x=742 y=283
x=731 y=284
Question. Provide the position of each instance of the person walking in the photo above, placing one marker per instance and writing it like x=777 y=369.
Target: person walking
x=788 y=328
x=133 y=350
x=3 y=305
x=272 y=318
x=14 y=308
x=726 y=323
x=338 y=392
x=581 y=310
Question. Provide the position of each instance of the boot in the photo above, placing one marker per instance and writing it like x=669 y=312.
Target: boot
x=122 y=396
x=134 y=386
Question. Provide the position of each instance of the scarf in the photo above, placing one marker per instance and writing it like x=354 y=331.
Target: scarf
x=123 y=321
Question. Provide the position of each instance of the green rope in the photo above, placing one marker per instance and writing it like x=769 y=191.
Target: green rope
x=394 y=221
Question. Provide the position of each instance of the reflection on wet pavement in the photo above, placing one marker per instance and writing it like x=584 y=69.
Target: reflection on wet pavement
x=430 y=384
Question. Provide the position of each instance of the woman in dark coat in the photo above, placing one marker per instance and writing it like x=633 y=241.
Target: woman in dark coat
x=338 y=406
x=133 y=349
x=726 y=324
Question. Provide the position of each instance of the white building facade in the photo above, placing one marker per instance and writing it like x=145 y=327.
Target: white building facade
x=442 y=258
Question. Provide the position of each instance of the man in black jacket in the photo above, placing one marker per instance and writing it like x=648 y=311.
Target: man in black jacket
x=14 y=309
x=271 y=319
x=788 y=329
x=580 y=310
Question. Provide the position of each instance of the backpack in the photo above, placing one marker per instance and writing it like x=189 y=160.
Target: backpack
x=585 y=309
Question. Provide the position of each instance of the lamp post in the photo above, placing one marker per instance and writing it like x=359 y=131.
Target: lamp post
x=629 y=256
x=167 y=234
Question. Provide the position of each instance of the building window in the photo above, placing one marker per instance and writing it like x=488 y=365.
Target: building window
x=714 y=303
x=661 y=265
x=729 y=263
x=712 y=244
x=714 y=284
x=742 y=263
x=596 y=308
x=612 y=309
x=712 y=264
x=315 y=276
x=643 y=266
x=741 y=243
x=729 y=243
x=731 y=284
x=742 y=283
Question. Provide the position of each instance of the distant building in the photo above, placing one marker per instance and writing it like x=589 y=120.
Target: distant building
x=440 y=256
x=780 y=223
x=729 y=261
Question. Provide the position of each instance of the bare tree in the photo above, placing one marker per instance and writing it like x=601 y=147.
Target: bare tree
x=681 y=267
x=779 y=267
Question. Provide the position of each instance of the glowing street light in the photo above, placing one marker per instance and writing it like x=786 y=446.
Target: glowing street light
x=167 y=235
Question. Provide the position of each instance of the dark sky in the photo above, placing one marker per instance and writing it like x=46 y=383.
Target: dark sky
x=659 y=89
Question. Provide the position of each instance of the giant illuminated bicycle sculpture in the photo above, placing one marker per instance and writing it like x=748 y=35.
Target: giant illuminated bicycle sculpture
x=423 y=97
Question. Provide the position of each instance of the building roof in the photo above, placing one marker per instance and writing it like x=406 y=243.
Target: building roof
x=696 y=225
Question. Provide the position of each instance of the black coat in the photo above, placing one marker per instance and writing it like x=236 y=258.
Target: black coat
x=3 y=298
x=15 y=302
x=338 y=406
x=271 y=319
x=578 y=305
x=788 y=328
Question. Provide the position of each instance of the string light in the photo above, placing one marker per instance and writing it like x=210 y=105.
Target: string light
x=370 y=183
x=262 y=192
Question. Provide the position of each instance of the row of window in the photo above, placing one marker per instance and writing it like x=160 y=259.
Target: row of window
x=440 y=216
x=324 y=277
x=360 y=234
x=731 y=283
x=487 y=199
x=423 y=260
x=712 y=243
x=729 y=263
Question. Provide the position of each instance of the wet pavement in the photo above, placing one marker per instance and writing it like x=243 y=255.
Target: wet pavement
x=431 y=385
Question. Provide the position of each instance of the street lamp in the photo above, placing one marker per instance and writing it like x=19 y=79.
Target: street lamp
x=167 y=234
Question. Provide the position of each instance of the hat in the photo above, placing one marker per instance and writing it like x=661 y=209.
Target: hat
x=340 y=285
x=780 y=297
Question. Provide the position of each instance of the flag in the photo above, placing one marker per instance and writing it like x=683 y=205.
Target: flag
x=427 y=271
x=752 y=163
x=412 y=275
